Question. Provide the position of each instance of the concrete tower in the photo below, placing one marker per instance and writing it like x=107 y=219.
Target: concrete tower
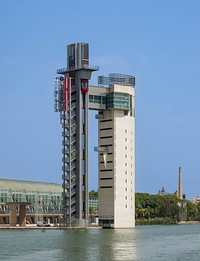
x=180 y=191
x=116 y=147
x=113 y=98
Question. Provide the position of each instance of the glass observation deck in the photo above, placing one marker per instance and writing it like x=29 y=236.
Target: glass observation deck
x=116 y=100
x=113 y=100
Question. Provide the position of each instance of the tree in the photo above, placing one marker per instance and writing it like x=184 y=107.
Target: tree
x=156 y=206
x=93 y=194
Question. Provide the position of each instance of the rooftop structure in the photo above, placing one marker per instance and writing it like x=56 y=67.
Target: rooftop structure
x=25 y=185
x=116 y=78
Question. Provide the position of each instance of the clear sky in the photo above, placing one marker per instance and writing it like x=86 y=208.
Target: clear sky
x=157 y=41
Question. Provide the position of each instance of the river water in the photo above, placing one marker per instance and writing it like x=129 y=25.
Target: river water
x=144 y=243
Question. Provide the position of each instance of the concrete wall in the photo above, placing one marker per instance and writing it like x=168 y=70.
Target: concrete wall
x=124 y=209
x=117 y=194
x=106 y=177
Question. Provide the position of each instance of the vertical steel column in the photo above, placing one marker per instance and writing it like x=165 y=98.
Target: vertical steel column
x=86 y=155
x=64 y=203
x=70 y=154
x=79 y=148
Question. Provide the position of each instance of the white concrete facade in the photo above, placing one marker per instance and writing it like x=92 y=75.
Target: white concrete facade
x=117 y=164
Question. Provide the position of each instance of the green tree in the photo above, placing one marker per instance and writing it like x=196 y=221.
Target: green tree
x=93 y=194
x=192 y=211
x=157 y=206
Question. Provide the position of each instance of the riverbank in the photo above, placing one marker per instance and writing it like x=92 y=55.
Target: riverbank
x=188 y=222
x=163 y=221
x=142 y=222
x=34 y=227
x=155 y=221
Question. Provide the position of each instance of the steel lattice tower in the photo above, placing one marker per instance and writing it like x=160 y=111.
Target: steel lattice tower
x=71 y=100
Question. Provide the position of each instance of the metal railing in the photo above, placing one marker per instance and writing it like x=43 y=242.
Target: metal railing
x=83 y=66
x=116 y=78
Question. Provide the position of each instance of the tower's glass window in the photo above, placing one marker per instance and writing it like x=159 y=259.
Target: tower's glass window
x=97 y=99
x=118 y=100
x=103 y=100
x=91 y=98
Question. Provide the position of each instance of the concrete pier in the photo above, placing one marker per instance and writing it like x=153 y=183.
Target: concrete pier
x=22 y=215
x=13 y=214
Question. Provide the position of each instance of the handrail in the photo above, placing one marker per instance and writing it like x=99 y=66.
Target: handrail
x=83 y=66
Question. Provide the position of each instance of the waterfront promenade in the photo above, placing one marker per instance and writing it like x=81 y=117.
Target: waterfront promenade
x=52 y=227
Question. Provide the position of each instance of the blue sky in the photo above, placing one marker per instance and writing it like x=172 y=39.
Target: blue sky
x=157 y=41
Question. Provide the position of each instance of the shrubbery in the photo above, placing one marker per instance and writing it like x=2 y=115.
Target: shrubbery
x=163 y=209
x=155 y=221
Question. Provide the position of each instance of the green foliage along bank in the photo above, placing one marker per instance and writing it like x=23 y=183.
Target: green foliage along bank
x=155 y=221
x=164 y=209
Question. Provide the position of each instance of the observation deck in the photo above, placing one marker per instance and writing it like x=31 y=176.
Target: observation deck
x=75 y=68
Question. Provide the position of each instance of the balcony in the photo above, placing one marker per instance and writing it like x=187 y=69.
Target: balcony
x=83 y=67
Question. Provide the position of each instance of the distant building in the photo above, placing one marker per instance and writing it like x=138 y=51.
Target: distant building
x=196 y=200
x=161 y=192
x=43 y=200
x=93 y=203
x=93 y=207
x=176 y=193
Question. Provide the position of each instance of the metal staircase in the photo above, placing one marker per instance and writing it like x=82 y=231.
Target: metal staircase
x=69 y=150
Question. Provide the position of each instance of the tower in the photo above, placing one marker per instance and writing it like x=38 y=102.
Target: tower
x=180 y=192
x=71 y=100
x=116 y=147
x=113 y=99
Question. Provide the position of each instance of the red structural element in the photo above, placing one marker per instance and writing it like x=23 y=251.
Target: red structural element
x=84 y=85
x=67 y=88
x=64 y=94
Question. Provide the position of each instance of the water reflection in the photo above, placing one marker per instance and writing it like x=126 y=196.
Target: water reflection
x=119 y=245
x=99 y=245
x=140 y=244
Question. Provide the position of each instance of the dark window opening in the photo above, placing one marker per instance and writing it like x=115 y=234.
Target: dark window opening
x=107 y=137
x=106 y=129
x=106 y=120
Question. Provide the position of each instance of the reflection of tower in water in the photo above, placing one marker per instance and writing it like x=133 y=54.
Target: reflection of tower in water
x=117 y=244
